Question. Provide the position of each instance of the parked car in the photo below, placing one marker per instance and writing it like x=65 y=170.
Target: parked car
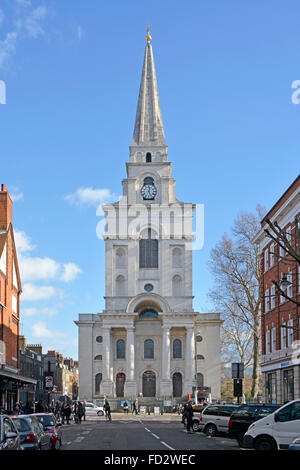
x=214 y=419
x=92 y=409
x=32 y=434
x=9 y=436
x=245 y=415
x=276 y=431
x=295 y=445
x=53 y=429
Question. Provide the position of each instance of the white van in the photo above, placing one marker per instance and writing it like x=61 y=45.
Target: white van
x=277 y=430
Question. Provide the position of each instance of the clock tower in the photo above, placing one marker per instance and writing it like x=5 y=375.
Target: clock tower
x=148 y=341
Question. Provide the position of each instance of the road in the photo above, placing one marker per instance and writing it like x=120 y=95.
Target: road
x=127 y=432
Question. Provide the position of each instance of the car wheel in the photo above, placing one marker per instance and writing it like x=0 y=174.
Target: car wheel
x=196 y=425
x=100 y=413
x=210 y=430
x=264 y=443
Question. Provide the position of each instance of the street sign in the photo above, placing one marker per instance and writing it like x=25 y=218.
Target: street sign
x=49 y=381
x=237 y=369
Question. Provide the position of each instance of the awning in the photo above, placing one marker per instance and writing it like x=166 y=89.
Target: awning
x=16 y=377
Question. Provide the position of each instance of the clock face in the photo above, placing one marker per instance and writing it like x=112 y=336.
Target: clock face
x=148 y=191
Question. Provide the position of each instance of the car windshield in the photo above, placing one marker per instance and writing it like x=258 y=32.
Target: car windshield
x=46 y=420
x=21 y=424
x=266 y=410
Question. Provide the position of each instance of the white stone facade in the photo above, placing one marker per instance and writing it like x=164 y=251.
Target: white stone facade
x=148 y=340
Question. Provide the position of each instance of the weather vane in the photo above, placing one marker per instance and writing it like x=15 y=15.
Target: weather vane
x=148 y=35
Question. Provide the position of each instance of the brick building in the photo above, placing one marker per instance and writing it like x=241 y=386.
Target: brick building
x=280 y=361
x=64 y=373
x=31 y=365
x=10 y=289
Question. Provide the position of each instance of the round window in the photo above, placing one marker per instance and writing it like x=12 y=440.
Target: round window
x=99 y=339
x=148 y=287
x=199 y=339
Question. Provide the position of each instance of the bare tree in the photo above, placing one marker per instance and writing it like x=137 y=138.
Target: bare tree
x=275 y=233
x=235 y=265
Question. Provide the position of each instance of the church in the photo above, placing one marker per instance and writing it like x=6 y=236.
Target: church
x=148 y=342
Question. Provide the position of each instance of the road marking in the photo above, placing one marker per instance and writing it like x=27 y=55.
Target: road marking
x=147 y=429
x=157 y=437
x=169 y=447
x=79 y=439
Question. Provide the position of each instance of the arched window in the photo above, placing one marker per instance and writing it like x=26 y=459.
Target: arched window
x=121 y=286
x=98 y=358
x=177 y=384
x=120 y=349
x=98 y=380
x=177 y=349
x=176 y=286
x=200 y=357
x=120 y=382
x=200 y=380
x=148 y=251
x=176 y=258
x=148 y=313
x=148 y=349
x=148 y=157
x=121 y=261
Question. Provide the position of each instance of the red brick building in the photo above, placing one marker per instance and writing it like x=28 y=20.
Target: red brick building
x=10 y=290
x=280 y=361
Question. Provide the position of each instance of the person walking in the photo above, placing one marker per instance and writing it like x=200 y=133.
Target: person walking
x=83 y=407
x=133 y=407
x=39 y=407
x=107 y=411
x=189 y=413
x=67 y=411
x=125 y=407
x=79 y=412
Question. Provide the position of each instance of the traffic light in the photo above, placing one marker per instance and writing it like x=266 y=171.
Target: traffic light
x=237 y=388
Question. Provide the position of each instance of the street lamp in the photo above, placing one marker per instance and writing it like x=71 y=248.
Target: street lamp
x=284 y=282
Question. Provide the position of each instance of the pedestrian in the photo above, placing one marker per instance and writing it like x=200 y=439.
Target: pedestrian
x=107 y=411
x=39 y=407
x=189 y=413
x=79 y=412
x=125 y=407
x=83 y=407
x=133 y=407
x=67 y=411
x=18 y=410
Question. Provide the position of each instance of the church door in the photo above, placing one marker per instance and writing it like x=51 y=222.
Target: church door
x=149 y=384
x=120 y=381
x=177 y=384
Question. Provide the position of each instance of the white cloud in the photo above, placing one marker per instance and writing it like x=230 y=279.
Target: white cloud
x=23 y=242
x=37 y=269
x=70 y=271
x=39 y=330
x=90 y=196
x=33 y=292
x=32 y=23
x=8 y=46
x=33 y=312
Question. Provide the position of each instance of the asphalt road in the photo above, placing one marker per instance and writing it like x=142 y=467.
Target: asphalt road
x=127 y=432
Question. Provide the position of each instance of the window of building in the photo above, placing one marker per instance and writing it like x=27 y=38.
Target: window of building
x=267 y=341
x=200 y=380
x=288 y=385
x=283 y=337
x=199 y=339
x=98 y=380
x=98 y=358
x=148 y=349
x=148 y=252
x=148 y=287
x=177 y=258
x=266 y=259
x=289 y=290
x=267 y=300
x=99 y=339
x=290 y=332
x=273 y=339
x=148 y=157
x=121 y=260
x=272 y=248
x=148 y=313
x=177 y=349
x=271 y=388
x=273 y=296
x=199 y=357
x=176 y=286
x=121 y=286
x=120 y=349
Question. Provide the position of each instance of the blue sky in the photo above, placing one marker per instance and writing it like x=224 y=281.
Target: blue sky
x=72 y=71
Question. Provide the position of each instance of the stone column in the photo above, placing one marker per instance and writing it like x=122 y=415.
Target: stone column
x=189 y=360
x=107 y=388
x=166 y=384
x=130 y=383
x=166 y=354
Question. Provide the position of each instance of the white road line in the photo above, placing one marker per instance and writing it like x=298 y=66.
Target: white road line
x=169 y=447
x=79 y=439
x=157 y=437
x=147 y=429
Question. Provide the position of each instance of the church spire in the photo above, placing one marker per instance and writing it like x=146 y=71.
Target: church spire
x=148 y=129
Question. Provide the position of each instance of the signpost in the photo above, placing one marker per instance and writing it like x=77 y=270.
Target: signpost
x=237 y=375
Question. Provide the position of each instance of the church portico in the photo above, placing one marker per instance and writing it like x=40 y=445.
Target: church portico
x=148 y=340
